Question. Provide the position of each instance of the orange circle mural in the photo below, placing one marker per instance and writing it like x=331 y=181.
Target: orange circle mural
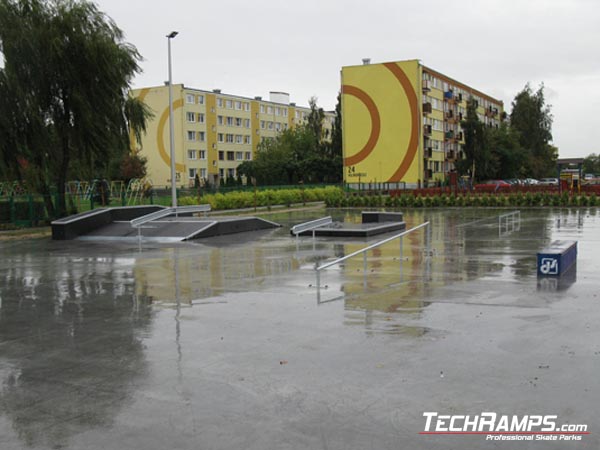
x=413 y=143
x=375 y=124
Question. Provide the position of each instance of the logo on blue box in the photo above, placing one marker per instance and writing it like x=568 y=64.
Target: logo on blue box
x=549 y=266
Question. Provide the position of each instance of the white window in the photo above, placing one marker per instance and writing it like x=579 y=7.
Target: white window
x=229 y=138
x=285 y=112
x=297 y=114
x=221 y=173
x=220 y=102
x=190 y=117
x=231 y=173
x=229 y=121
x=269 y=110
x=201 y=117
x=238 y=106
x=238 y=121
x=201 y=99
x=247 y=123
x=262 y=109
x=248 y=156
x=192 y=173
x=202 y=154
x=246 y=106
x=247 y=139
x=262 y=124
x=239 y=156
x=192 y=154
x=190 y=99
x=277 y=111
x=285 y=126
x=277 y=126
x=220 y=137
x=238 y=138
x=202 y=173
x=228 y=104
x=191 y=135
x=270 y=125
x=219 y=120
x=201 y=136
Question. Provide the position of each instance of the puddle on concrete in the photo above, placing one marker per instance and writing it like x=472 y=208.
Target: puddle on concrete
x=85 y=327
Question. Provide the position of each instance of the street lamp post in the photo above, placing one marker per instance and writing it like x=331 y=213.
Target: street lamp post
x=170 y=36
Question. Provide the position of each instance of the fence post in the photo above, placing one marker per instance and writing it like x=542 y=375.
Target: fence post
x=13 y=212
x=30 y=204
x=91 y=201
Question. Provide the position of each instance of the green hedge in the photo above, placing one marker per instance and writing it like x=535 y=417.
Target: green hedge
x=268 y=197
x=340 y=200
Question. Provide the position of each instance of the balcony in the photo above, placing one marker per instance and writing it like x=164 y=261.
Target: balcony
x=427 y=152
x=450 y=97
x=426 y=86
x=428 y=174
x=427 y=108
x=449 y=135
x=450 y=154
x=427 y=130
x=491 y=111
x=451 y=117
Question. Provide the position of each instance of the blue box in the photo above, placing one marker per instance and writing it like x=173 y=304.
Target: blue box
x=556 y=259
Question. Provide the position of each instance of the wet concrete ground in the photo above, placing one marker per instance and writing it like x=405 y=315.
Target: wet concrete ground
x=222 y=344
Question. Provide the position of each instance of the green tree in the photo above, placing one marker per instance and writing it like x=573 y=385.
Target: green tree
x=64 y=85
x=303 y=153
x=591 y=164
x=479 y=162
x=506 y=152
x=531 y=117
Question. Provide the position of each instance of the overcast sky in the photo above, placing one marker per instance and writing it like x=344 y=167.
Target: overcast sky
x=255 y=46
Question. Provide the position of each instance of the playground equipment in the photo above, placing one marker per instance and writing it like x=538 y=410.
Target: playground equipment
x=11 y=188
x=136 y=188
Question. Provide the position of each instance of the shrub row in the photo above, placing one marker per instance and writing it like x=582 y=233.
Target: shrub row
x=339 y=199
x=268 y=198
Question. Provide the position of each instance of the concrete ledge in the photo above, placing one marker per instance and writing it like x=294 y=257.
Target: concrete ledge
x=378 y=216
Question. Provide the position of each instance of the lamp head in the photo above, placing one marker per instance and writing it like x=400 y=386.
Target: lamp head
x=172 y=34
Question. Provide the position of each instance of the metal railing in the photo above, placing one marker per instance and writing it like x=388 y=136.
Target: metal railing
x=509 y=222
x=138 y=222
x=312 y=225
x=364 y=251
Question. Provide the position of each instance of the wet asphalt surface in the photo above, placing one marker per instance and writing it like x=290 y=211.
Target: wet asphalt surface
x=227 y=343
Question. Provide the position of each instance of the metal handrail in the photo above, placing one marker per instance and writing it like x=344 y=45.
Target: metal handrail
x=312 y=225
x=375 y=245
x=512 y=218
x=139 y=221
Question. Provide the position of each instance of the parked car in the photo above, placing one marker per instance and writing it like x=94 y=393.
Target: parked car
x=531 y=181
x=492 y=185
x=549 y=182
x=514 y=181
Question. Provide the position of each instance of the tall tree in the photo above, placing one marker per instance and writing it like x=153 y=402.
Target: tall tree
x=532 y=118
x=67 y=73
x=478 y=162
x=591 y=164
x=506 y=152
x=315 y=120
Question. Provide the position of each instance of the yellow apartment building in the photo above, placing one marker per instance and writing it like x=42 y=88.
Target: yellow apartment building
x=401 y=122
x=214 y=132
